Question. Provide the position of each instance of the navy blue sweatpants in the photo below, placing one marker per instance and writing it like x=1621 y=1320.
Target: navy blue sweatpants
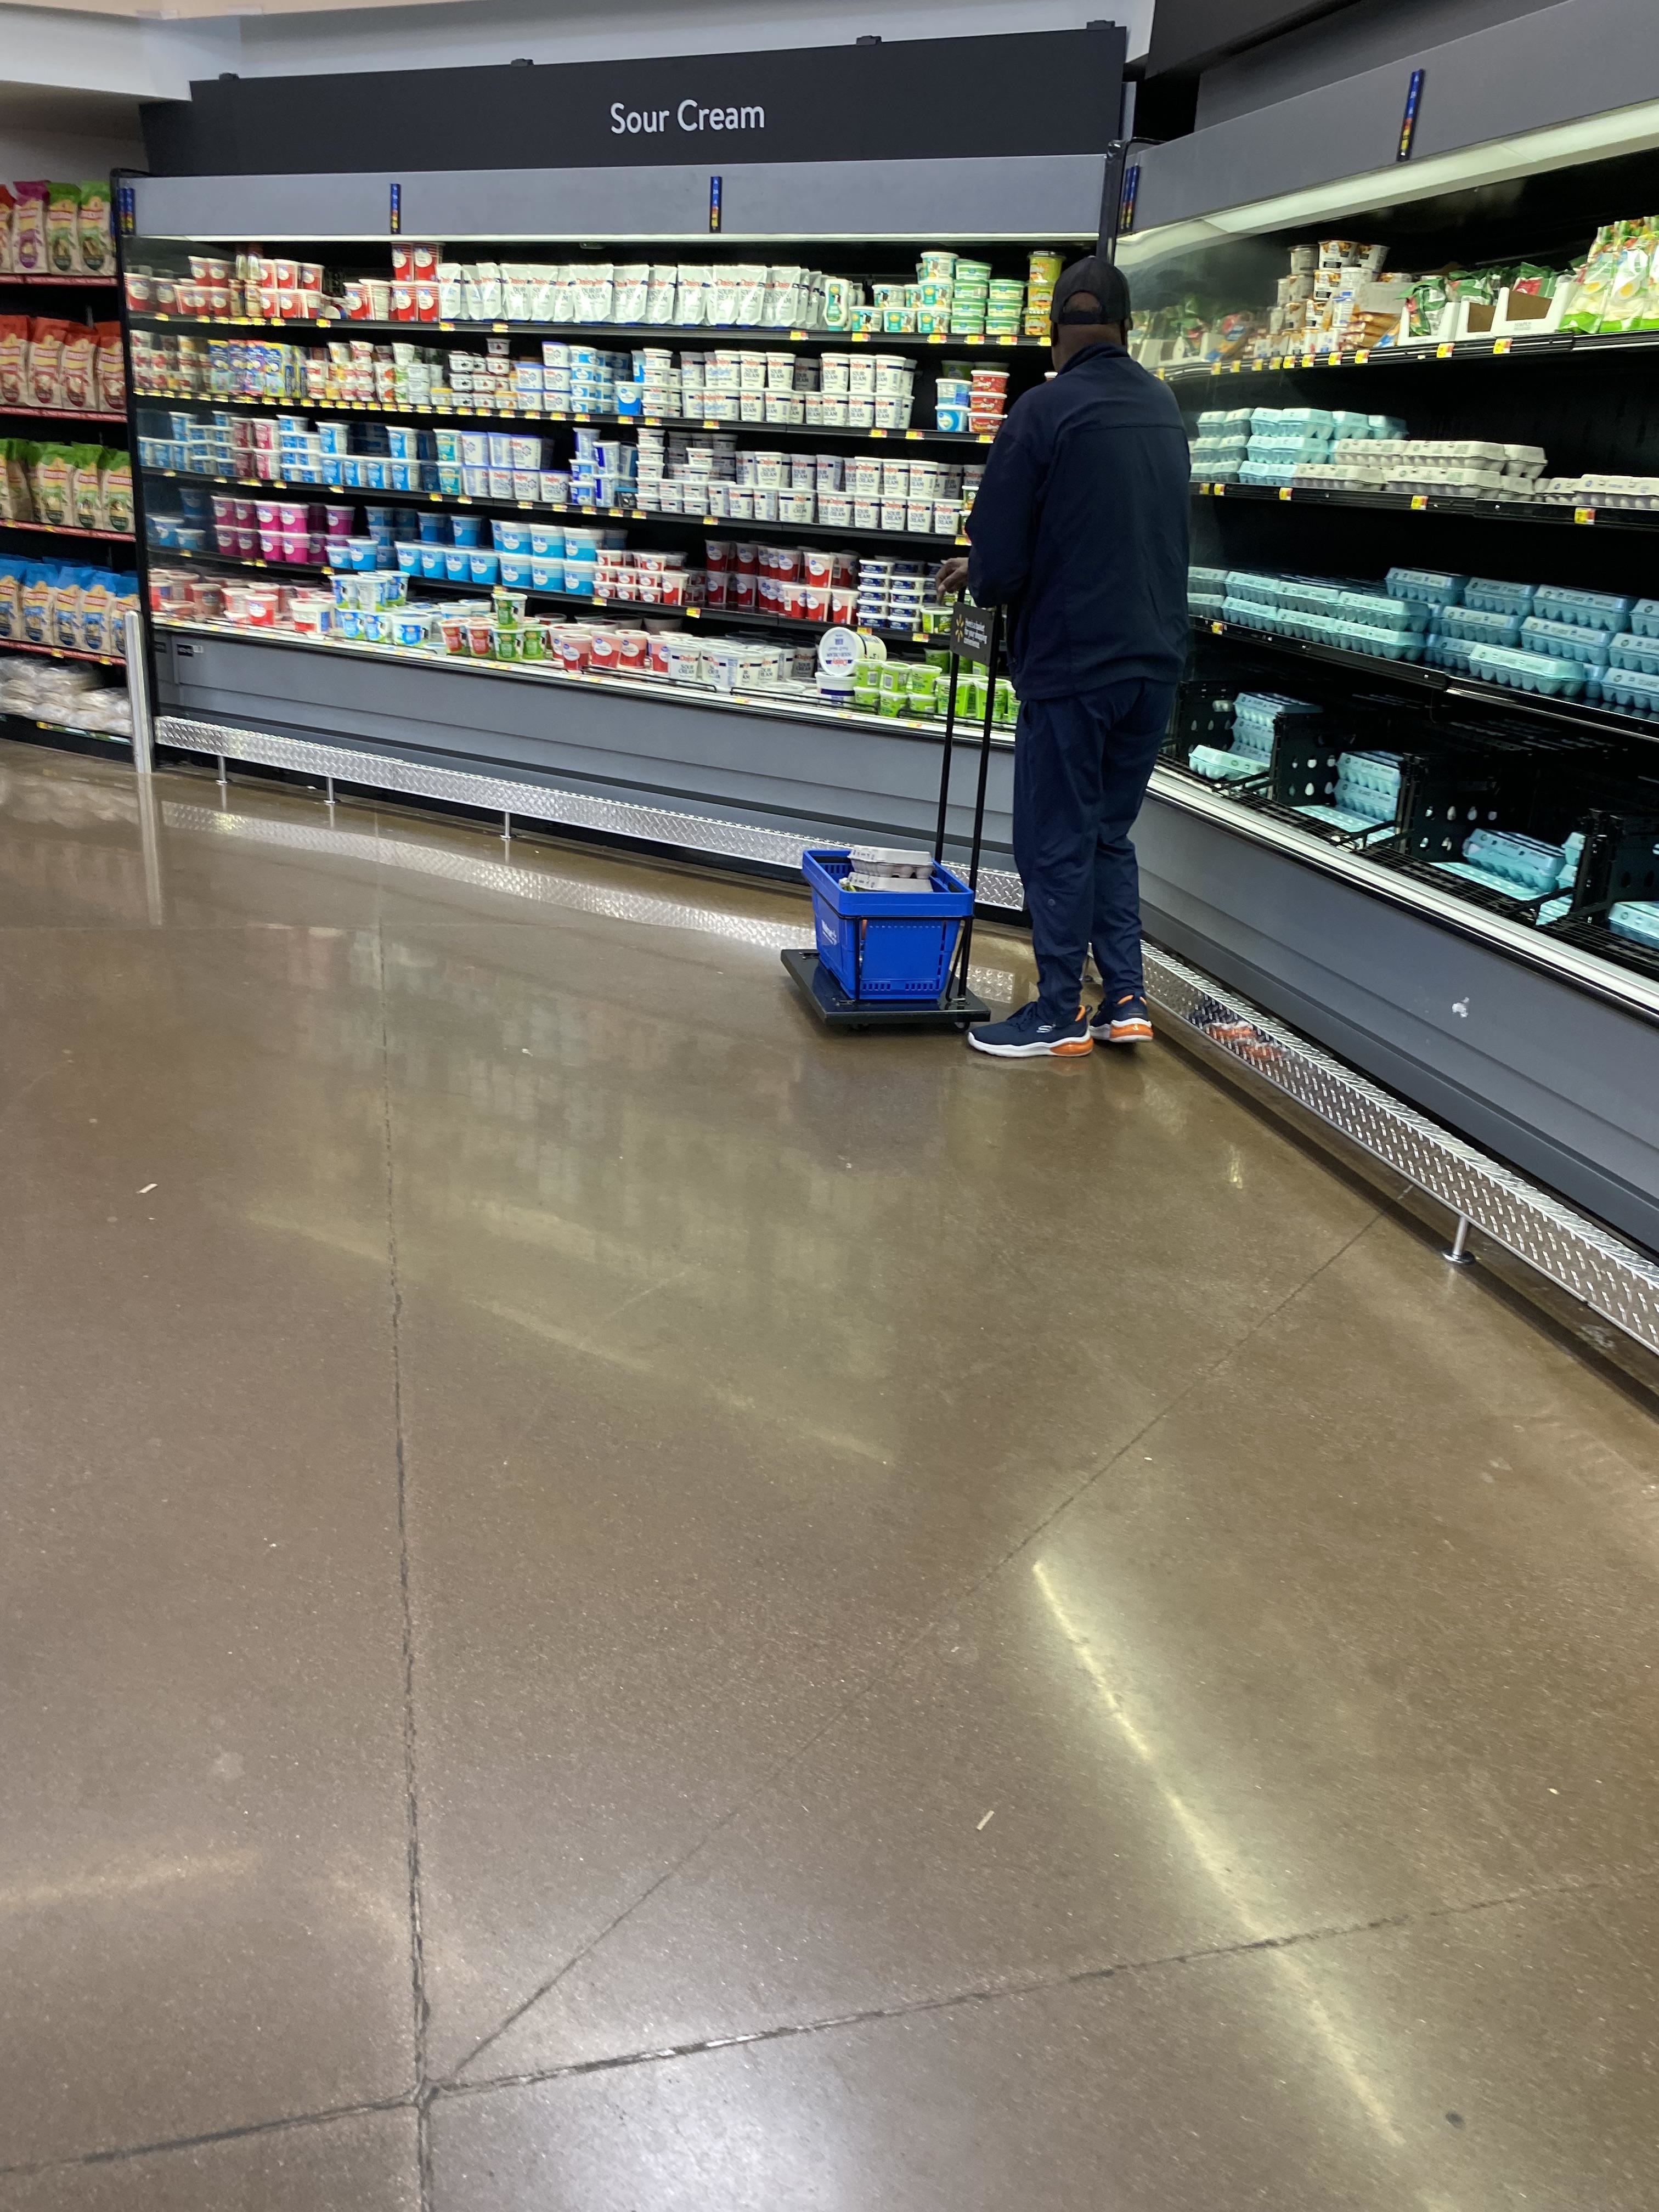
x=1081 y=768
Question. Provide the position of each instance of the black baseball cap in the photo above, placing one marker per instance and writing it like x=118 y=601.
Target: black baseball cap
x=1099 y=279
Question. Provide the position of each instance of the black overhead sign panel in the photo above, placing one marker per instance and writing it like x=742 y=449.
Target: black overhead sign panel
x=1039 y=92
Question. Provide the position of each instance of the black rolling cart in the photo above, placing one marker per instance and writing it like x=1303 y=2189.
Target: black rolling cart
x=899 y=960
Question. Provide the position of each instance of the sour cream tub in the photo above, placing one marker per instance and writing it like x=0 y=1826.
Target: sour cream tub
x=510 y=537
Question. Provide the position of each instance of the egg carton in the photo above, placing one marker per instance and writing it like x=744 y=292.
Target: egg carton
x=1304 y=418
x=1308 y=598
x=1480 y=625
x=1386 y=644
x=1494 y=596
x=1459 y=449
x=1215 y=472
x=1451 y=654
x=1558 y=491
x=1627 y=689
x=1323 y=476
x=1226 y=418
x=1567 y=640
x=1435 y=587
x=1208 y=580
x=1585 y=609
x=1267 y=472
x=1636 y=920
x=1644 y=618
x=1540 y=674
x=1448 y=476
x=1246 y=614
x=1531 y=865
x=1639 y=494
x=1245 y=584
x=1384 y=612
x=1210 y=606
x=1209 y=761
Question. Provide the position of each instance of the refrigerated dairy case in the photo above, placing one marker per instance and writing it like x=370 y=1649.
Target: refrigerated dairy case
x=1410 y=798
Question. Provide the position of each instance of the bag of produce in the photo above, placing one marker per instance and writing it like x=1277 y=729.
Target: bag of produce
x=7 y=243
x=16 y=501
x=1628 y=287
x=64 y=229
x=14 y=360
x=11 y=596
x=115 y=490
x=87 y=486
x=109 y=371
x=28 y=225
x=1594 y=281
x=51 y=479
x=79 y=376
x=45 y=377
x=93 y=232
x=35 y=622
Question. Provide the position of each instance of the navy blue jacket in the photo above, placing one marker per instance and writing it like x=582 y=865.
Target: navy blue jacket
x=1079 y=529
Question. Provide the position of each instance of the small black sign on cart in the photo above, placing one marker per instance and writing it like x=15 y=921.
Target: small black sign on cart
x=976 y=636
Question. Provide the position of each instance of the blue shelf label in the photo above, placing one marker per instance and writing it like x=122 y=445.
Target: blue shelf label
x=715 y=203
x=396 y=210
x=1408 y=121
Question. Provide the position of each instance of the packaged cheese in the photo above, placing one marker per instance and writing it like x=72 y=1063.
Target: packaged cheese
x=29 y=223
x=92 y=235
x=64 y=229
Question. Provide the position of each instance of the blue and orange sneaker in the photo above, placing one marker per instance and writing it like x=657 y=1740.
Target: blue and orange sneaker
x=1032 y=1035
x=1123 y=1022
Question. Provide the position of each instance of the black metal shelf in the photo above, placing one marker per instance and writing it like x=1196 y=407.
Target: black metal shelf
x=623 y=336
x=1415 y=676
x=460 y=411
x=460 y=502
x=753 y=617
x=1452 y=504
x=1550 y=345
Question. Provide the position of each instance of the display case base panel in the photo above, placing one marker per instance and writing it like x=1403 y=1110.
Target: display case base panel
x=837 y=1011
x=812 y=778
x=1535 y=1068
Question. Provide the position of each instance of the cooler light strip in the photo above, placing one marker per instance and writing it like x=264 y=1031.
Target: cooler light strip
x=1610 y=1276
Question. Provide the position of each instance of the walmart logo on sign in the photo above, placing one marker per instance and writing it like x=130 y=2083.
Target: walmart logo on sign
x=688 y=115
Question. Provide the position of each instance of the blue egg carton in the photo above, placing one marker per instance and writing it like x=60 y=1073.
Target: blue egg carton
x=1298 y=418
x=1451 y=654
x=1247 y=614
x=1278 y=472
x=1638 y=920
x=1644 y=618
x=1492 y=596
x=1212 y=606
x=1386 y=644
x=1531 y=865
x=1479 y=625
x=1628 y=690
x=1541 y=674
x=1630 y=650
x=1433 y=586
x=1382 y=612
x=1206 y=580
x=1245 y=584
x=1210 y=761
x=1297 y=592
x=1583 y=609
x=1566 y=641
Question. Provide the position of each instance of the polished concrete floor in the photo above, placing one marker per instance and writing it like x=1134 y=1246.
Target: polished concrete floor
x=612 y=1605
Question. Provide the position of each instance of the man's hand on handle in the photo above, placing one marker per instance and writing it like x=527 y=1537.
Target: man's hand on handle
x=951 y=575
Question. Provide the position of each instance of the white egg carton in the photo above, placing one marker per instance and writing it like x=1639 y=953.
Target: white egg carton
x=1558 y=492
x=1327 y=476
x=1620 y=491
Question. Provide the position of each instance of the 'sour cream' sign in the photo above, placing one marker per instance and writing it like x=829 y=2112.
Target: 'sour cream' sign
x=690 y=115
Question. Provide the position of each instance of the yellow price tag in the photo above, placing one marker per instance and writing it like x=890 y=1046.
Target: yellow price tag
x=915 y=434
x=1308 y=360
x=1419 y=501
x=1501 y=345
x=691 y=614
x=1583 y=514
x=1284 y=491
x=1443 y=353
x=1278 y=362
x=1215 y=368
x=1217 y=628
x=1361 y=357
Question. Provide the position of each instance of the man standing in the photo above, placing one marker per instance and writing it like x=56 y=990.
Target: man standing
x=1079 y=531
